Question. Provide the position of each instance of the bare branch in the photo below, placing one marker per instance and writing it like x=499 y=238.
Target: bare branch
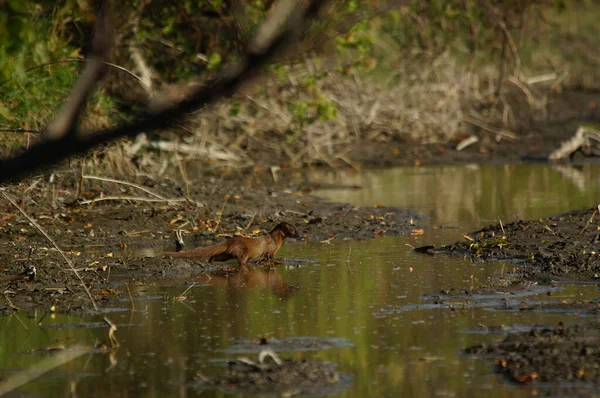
x=232 y=77
x=65 y=123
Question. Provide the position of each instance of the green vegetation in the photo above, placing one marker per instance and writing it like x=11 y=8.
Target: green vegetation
x=423 y=64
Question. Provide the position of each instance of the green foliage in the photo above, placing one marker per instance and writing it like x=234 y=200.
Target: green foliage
x=194 y=36
x=34 y=35
x=318 y=108
x=184 y=38
x=214 y=61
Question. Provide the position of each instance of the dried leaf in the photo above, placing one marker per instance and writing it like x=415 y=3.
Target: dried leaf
x=526 y=378
x=176 y=219
x=501 y=362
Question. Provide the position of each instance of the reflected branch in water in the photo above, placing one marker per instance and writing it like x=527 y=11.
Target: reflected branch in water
x=25 y=376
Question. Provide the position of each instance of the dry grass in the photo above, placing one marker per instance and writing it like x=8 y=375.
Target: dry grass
x=424 y=106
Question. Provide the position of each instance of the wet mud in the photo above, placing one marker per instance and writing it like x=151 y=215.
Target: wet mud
x=270 y=375
x=549 y=252
x=550 y=355
x=112 y=243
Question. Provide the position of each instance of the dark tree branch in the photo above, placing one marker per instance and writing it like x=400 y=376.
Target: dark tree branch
x=65 y=123
x=280 y=26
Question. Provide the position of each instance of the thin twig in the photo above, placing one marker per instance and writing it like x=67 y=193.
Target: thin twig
x=501 y=227
x=130 y=297
x=132 y=198
x=249 y=223
x=10 y=303
x=130 y=184
x=20 y=130
x=81 y=60
x=589 y=221
x=21 y=322
x=67 y=260
x=187 y=290
x=220 y=213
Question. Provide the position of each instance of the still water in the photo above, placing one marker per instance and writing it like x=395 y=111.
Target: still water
x=359 y=304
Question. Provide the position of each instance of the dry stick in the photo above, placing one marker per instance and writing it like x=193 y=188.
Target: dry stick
x=220 y=213
x=133 y=198
x=249 y=222
x=500 y=132
x=10 y=304
x=187 y=290
x=591 y=219
x=20 y=321
x=35 y=224
x=130 y=184
x=501 y=226
x=20 y=130
x=262 y=48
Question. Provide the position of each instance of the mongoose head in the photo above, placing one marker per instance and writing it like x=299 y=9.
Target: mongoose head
x=289 y=231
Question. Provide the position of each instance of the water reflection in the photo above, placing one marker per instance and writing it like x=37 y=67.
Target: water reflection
x=472 y=195
x=236 y=282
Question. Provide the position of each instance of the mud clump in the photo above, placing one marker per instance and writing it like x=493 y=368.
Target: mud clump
x=278 y=377
x=565 y=247
x=559 y=354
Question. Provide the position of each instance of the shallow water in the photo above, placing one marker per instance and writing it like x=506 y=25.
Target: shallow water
x=362 y=305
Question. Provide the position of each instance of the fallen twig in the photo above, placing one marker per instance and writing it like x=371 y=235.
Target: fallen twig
x=132 y=198
x=501 y=227
x=580 y=139
x=500 y=132
x=220 y=212
x=60 y=251
x=589 y=221
x=130 y=184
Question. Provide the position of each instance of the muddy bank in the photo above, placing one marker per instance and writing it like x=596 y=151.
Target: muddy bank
x=561 y=354
x=112 y=242
x=563 y=247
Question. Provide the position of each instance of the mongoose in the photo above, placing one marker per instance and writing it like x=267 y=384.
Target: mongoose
x=243 y=249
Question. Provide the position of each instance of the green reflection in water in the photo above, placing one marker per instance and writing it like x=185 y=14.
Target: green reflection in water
x=475 y=195
x=339 y=292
